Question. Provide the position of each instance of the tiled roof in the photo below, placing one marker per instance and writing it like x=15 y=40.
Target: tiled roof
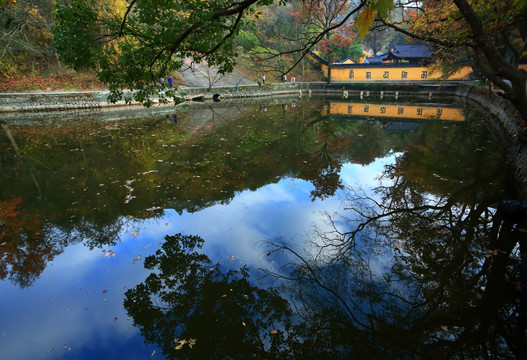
x=409 y=51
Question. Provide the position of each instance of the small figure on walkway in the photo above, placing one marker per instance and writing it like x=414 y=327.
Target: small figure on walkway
x=236 y=85
x=263 y=79
x=162 y=82
x=170 y=81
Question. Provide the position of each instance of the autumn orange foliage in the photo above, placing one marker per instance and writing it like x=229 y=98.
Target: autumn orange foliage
x=24 y=83
x=23 y=251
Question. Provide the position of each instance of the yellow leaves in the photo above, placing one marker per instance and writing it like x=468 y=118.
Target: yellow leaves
x=33 y=11
x=273 y=332
x=494 y=253
x=364 y=21
x=190 y=342
x=184 y=14
x=367 y=16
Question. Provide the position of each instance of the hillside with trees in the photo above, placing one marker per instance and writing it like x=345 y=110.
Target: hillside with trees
x=268 y=40
x=130 y=44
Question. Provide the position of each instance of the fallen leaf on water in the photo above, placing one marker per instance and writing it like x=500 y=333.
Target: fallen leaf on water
x=178 y=347
x=153 y=353
x=109 y=253
x=104 y=291
x=274 y=332
x=136 y=259
x=114 y=319
x=444 y=327
x=233 y=257
x=68 y=310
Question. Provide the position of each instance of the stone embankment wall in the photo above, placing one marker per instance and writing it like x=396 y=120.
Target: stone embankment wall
x=95 y=100
x=47 y=102
x=504 y=115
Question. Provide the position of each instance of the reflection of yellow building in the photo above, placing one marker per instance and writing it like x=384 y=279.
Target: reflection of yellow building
x=399 y=72
x=395 y=111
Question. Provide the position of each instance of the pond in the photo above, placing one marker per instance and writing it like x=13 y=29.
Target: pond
x=281 y=228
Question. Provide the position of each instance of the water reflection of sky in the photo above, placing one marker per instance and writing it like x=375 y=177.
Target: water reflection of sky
x=75 y=309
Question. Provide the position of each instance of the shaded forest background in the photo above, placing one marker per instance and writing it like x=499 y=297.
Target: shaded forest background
x=29 y=61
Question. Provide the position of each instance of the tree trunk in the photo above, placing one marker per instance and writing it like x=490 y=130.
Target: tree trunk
x=493 y=64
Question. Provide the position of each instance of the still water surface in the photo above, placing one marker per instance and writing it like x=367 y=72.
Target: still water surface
x=286 y=228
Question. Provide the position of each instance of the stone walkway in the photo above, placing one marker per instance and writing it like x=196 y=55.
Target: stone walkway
x=203 y=76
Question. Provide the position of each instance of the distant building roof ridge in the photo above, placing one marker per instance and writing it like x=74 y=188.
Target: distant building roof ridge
x=402 y=51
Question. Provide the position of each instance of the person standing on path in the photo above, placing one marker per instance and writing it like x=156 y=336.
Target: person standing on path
x=263 y=79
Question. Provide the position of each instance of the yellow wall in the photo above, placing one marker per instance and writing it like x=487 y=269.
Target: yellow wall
x=379 y=73
x=324 y=67
x=395 y=111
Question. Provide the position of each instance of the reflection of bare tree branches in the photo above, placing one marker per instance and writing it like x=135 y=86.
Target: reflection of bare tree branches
x=300 y=270
x=398 y=263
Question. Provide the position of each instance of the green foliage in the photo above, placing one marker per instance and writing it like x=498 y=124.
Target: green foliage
x=134 y=45
x=382 y=6
x=248 y=40
x=75 y=29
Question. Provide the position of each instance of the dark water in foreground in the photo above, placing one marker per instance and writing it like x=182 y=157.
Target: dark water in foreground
x=284 y=229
